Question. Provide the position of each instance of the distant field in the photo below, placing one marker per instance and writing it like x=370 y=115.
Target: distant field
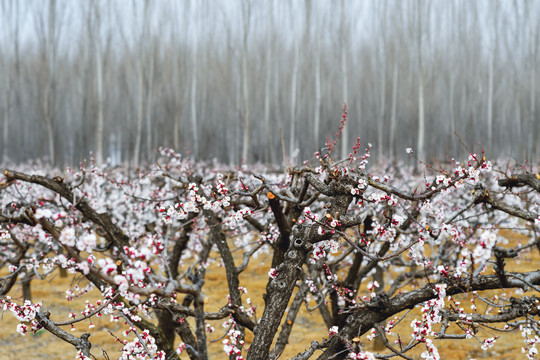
x=308 y=326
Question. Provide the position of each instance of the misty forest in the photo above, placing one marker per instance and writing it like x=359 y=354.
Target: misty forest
x=262 y=81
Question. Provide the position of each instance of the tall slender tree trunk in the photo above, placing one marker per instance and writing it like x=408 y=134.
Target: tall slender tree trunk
x=318 y=96
x=452 y=91
x=86 y=88
x=193 y=89
x=180 y=96
x=17 y=76
x=140 y=108
x=395 y=77
x=277 y=101
x=344 y=77
x=521 y=145
x=267 y=82
x=141 y=97
x=383 y=62
x=99 y=87
x=294 y=80
x=492 y=58
x=452 y=112
x=7 y=115
x=176 y=125
x=490 y=100
x=276 y=86
x=532 y=150
x=245 y=81
x=380 y=122
x=149 y=101
x=49 y=96
x=8 y=86
x=267 y=132
x=421 y=116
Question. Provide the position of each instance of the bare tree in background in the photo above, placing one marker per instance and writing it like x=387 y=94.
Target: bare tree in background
x=8 y=10
x=194 y=29
x=99 y=81
x=179 y=36
x=492 y=56
x=421 y=115
x=246 y=24
x=533 y=147
x=143 y=66
x=293 y=92
x=151 y=54
x=317 y=75
x=268 y=79
x=382 y=54
x=396 y=26
x=344 y=47
x=451 y=13
x=48 y=99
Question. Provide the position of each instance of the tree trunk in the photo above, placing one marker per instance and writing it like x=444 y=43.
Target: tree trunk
x=318 y=97
x=8 y=92
x=452 y=115
x=267 y=80
x=533 y=146
x=49 y=96
x=149 y=100
x=246 y=13
x=26 y=288
x=344 y=77
x=99 y=87
x=421 y=116
x=194 y=70
x=383 y=62
x=294 y=80
x=395 y=75
x=380 y=123
x=490 y=100
x=521 y=146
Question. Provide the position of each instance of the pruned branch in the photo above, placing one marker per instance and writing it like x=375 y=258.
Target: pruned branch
x=519 y=180
x=82 y=343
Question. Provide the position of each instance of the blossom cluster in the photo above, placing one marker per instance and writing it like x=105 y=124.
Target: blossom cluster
x=141 y=348
x=25 y=314
x=362 y=355
x=431 y=315
x=233 y=344
x=531 y=341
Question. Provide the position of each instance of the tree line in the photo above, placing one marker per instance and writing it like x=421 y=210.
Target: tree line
x=253 y=81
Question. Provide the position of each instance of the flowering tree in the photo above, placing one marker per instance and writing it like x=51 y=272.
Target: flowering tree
x=360 y=248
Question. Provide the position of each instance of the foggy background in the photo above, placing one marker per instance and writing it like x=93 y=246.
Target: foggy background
x=221 y=79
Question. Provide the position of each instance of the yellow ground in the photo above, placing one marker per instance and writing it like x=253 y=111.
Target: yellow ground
x=308 y=326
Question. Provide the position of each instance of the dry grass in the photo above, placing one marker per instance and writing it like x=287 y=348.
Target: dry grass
x=308 y=326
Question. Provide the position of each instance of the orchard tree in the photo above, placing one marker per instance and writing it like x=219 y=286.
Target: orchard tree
x=362 y=247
